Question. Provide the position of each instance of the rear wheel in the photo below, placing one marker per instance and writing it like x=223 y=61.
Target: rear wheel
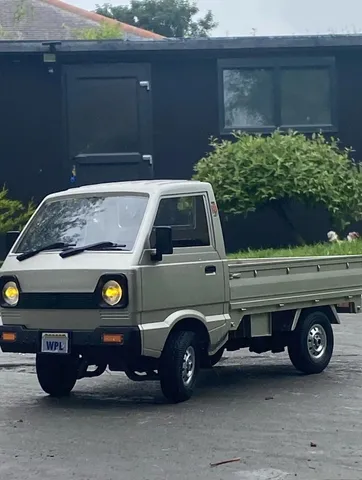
x=57 y=375
x=179 y=366
x=311 y=346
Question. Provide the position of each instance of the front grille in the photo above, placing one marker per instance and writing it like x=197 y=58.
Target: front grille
x=10 y=316
x=59 y=301
x=112 y=317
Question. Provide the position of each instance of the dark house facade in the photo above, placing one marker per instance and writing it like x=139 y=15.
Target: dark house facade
x=76 y=112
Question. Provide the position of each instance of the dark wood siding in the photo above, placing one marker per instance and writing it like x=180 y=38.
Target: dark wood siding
x=185 y=98
x=185 y=113
x=349 y=97
x=31 y=139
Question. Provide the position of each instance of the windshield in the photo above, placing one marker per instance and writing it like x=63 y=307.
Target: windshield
x=86 y=220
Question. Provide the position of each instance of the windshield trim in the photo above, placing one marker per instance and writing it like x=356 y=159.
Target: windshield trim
x=69 y=195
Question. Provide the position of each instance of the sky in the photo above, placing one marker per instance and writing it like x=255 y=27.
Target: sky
x=274 y=17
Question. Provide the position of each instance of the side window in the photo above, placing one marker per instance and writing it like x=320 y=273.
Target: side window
x=187 y=217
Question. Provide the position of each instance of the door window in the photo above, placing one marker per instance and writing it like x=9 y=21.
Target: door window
x=187 y=218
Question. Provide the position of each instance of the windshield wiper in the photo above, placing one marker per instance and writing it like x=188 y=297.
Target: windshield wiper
x=92 y=246
x=51 y=246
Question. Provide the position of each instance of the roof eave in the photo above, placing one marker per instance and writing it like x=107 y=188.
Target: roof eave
x=240 y=43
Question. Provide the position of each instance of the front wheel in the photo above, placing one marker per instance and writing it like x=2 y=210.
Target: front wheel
x=57 y=375
x=179 y=366
x=311 y=346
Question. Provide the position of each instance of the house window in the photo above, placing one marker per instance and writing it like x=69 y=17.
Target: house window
x=188 y=219
x=305 y=96
x=261 y=95
x=248 y=97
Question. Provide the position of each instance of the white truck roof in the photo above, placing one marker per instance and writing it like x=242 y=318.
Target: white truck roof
x=141 y=186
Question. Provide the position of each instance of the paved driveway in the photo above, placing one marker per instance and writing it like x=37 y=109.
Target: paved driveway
x=281 y=424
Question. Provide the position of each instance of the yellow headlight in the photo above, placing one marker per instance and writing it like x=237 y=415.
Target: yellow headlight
x=11 y=294
x=112 y=292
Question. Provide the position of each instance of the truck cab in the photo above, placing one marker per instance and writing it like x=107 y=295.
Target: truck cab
x=101 y=275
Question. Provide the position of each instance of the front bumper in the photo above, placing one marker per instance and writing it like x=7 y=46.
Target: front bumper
x=84 y=342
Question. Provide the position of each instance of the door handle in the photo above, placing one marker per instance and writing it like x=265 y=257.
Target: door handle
x=210 y=270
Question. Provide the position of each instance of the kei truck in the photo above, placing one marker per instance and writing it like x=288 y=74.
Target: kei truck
x=134 y=277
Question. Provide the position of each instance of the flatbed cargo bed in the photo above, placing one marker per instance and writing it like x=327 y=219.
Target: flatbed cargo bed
x=280 y=283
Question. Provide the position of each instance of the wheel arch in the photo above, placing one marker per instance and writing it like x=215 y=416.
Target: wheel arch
x=155 y=335
x=329 y=310
x=193 y=324
x=196 y=325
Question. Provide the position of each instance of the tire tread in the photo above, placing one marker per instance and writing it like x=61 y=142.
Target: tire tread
x=298 y=350
x=171 y=366
x=56 y=376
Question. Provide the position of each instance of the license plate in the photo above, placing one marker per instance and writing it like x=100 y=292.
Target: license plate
x=55 y=343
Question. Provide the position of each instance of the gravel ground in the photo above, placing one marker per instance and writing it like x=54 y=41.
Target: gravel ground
x=281 y=424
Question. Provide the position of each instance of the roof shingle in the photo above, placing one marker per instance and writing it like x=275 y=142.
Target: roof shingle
x=54 y=20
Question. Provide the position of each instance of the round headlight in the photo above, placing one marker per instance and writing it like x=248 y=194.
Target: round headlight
x=11 y=294
x=112 y=293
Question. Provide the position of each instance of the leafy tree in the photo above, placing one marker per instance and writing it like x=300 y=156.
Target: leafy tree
x=254 y=171
x=105 y=30
x=170 y=18
x=13 y=214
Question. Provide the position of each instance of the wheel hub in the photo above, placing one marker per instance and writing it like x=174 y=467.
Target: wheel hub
x=188 y=366
x=317 y=341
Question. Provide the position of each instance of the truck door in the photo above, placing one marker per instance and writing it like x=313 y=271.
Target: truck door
x=109 y=123
x=191 y=278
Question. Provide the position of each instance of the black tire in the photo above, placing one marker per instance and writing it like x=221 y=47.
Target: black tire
x=57 y=375
x=177 y=379
x=312 y=343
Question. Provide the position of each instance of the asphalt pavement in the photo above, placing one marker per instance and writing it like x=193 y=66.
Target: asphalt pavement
x=281 y=425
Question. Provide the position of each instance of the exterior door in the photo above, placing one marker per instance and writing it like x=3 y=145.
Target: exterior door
x=109 y=123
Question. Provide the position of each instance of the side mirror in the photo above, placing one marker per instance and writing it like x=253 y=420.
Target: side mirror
x=10 y=239
x=163 y=243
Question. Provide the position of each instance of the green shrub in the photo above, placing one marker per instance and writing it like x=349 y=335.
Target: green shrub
x=13 y=214
x=254 y=171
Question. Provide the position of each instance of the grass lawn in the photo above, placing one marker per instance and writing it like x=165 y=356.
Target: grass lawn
x=319 y=249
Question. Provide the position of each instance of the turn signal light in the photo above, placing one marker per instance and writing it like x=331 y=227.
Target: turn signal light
x=9 y=337
x=112 y=338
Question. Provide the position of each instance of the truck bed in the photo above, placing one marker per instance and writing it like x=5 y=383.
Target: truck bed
x=256 y=285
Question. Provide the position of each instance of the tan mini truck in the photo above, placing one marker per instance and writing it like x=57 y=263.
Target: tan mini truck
x=134 y=277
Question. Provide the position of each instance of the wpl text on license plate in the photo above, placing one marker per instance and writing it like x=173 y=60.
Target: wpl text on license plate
x=55 y=343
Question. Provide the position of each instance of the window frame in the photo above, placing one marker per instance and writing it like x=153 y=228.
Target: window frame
x=210 y=228
x=276 y=65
